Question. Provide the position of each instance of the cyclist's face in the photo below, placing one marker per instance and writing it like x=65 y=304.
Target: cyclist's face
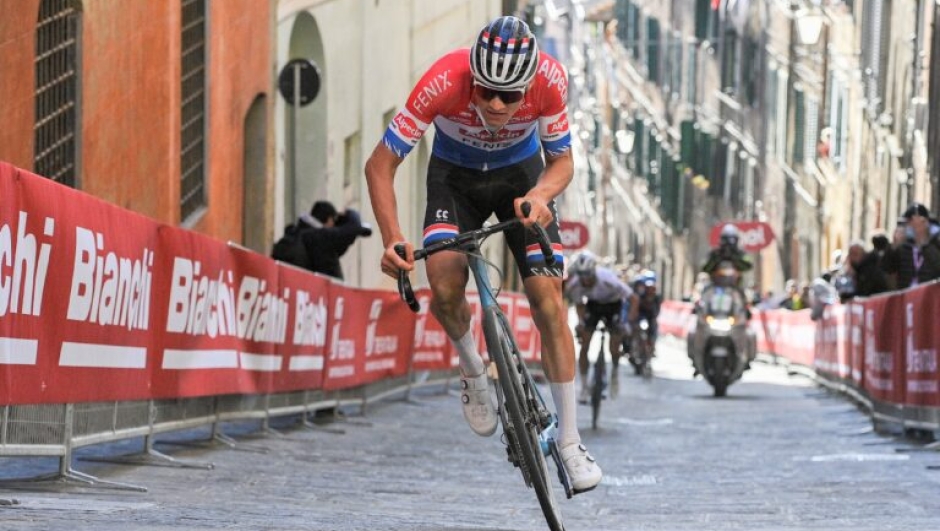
x=497 y=107
x=587 y=279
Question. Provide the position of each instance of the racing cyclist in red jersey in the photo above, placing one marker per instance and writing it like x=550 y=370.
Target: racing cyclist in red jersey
x=497 y=108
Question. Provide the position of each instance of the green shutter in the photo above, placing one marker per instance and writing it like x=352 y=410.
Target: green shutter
x=652 y=49
x=799 y=127
x=687 y=145
x=702 y=10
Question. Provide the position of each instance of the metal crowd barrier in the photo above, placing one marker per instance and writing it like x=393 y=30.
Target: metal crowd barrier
x=57 y=430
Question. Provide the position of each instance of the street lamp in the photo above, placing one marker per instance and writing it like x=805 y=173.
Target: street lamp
x=808 y=26
x=624 y=139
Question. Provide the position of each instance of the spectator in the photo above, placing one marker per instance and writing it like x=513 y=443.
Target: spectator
x=918 y=257
x=889 y=258
x=318 y=239
x=867 y=276
x=822 y=294
x=794 y=300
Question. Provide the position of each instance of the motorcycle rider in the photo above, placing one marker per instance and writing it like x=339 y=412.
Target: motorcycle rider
x=728 y=251
x=598 y=294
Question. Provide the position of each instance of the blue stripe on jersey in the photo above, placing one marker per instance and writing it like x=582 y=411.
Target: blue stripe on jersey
x=557 y=147
x=475 y=158
x=396 y=144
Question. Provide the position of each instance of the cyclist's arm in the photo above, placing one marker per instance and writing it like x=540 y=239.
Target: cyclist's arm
x=634 y=313
x=380 y=176
x=559 y=170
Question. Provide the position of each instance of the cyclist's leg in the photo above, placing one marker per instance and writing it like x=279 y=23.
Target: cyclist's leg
x=615 y=342
x=449 y=211
x=550 y=314
x=592 y=316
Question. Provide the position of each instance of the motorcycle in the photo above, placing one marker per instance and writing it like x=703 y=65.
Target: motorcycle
x=721 y=345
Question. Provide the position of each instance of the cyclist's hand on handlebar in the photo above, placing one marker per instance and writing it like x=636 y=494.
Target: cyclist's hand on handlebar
x=539 y=212
x=392 y=263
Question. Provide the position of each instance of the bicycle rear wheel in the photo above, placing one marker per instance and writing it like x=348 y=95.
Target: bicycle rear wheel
x=524 y=426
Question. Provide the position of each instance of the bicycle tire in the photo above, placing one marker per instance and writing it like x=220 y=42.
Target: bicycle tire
x=524 y=429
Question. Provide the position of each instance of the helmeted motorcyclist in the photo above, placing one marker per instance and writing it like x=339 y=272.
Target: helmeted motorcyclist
x=728 y=252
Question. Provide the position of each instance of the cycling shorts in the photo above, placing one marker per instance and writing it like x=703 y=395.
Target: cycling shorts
x=609 y=312
x=462 y=199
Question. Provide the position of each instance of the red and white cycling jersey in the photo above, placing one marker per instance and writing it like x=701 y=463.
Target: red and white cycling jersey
x=443 y=96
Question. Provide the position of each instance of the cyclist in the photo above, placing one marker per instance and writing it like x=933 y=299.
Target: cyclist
x=598 y=295
x=645 y=303
x=497 y=107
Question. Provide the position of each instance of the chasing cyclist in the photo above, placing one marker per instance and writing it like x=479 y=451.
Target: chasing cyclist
x=497 y=108
x=645 y=303
x=598 y=295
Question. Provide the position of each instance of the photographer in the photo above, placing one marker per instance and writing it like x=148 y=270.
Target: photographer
x=318 y=239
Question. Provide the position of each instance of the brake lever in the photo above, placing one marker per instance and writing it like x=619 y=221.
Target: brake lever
x=541 y=235
x=405 y=290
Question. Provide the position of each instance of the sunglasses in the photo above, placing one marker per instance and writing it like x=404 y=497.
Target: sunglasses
x=506 y=96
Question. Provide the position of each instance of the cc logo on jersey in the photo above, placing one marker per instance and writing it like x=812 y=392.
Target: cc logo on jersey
x=442 y=214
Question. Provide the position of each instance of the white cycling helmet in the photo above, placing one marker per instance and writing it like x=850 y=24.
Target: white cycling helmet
x=730 y=234
x=505 y=55
x=583 y=263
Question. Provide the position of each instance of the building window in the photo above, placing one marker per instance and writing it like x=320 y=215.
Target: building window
x=55 y=132
x=193 y=109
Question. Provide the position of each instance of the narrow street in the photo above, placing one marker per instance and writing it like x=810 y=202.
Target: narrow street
x=778 y=453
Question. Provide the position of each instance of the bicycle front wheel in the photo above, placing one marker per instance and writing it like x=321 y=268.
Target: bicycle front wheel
x=597 y=393
x=523 y=428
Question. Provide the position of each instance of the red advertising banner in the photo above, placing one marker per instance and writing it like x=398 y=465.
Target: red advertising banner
x=432 y=350
x=921 y=338
x=218 y=318
x=308 y=328
x=76 y=294
x=371 y=337
x=676 y=318
x=832 y=344
x=884 y=367
x=100 y=304
x=754 y=235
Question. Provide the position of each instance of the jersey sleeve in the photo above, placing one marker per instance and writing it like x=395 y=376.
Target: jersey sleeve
x=553 y=124
x=431 y=95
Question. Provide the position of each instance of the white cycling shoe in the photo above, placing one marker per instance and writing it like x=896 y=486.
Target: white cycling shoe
x=583 y=471
x=478 y=406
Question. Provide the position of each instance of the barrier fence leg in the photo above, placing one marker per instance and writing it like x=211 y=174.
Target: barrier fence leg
x=266 y=422
x=150 y=455
x=311 y=425
x=67 y=476
x=216 y=437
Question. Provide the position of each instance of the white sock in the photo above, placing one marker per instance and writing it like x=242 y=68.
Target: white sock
x=471 y=363
x=566 y=406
